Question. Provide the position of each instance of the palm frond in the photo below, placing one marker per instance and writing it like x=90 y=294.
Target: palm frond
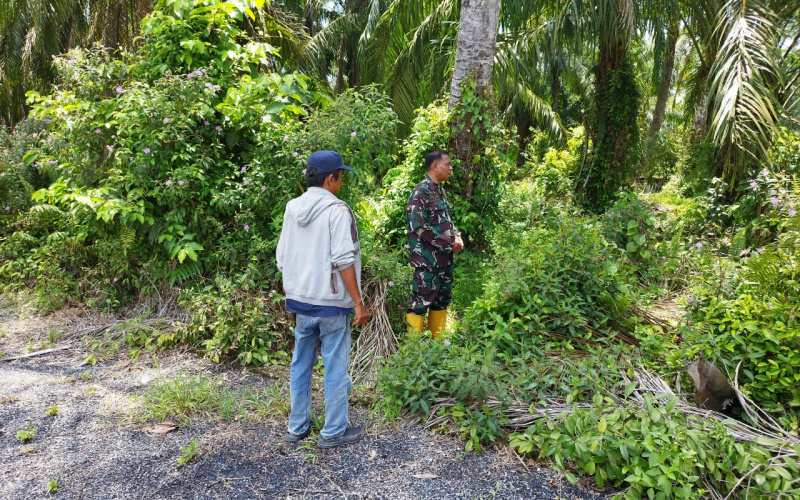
x=745 y=110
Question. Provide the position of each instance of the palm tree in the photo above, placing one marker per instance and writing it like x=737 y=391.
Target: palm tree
x=32 y=31
x=743 y=76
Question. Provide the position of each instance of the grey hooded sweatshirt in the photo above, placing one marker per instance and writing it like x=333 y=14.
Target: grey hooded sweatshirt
x=318 y=238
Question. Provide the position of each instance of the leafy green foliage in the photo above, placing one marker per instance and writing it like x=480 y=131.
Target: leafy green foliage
x=552 y=171
x=362 y=126
x=423 y=370
x=187 y=453
x=652 y=451
x=25 y=435
x=559 y=278
x=231 y=322
x=616 y=141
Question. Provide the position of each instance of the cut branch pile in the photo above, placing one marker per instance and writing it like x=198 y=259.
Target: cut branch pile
x=765 y=430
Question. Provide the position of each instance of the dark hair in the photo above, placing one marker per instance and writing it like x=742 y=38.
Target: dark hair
x=318 y=180
x=434 y=155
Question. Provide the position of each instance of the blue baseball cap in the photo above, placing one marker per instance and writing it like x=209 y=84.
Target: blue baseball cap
x=324 y=162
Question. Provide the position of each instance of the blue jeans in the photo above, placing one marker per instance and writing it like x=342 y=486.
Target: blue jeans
x=334 y=334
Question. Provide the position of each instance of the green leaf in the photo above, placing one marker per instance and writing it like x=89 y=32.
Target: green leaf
x=30 y=157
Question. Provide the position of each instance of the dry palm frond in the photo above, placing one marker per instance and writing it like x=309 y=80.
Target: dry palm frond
x=377 y=339
x=520 y=415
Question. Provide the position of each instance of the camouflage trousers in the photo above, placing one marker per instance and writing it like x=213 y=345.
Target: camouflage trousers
x=432 y=289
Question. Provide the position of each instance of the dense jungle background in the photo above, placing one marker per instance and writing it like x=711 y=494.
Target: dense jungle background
x=626 y=177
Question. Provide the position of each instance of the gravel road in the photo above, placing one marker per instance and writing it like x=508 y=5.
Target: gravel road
x=96 y=448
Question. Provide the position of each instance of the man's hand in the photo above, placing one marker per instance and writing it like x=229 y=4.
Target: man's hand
x=351 y=283
x=361 y=316
x=458 y=245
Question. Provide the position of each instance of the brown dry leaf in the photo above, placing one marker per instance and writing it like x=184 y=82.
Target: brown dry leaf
x=159 y=429
x=426 y=476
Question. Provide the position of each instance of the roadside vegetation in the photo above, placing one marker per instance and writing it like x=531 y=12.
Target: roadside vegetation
x=152 y=183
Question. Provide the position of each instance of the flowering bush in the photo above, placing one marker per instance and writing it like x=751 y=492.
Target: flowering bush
x=147 y=167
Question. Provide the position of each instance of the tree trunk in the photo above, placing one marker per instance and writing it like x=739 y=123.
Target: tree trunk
x=477 y=37
x=555 y=80
x=340 y=68
x=666 y=80
x=616 y=134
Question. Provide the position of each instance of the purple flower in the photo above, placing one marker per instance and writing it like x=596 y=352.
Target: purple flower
x=217 y=87
x=406 y=246
x=389 y=109
x=391 y=283
x=774 y=201
x=699 y=244
x=792 y=212
x=446 y=342
x=120 y=90
x=180 y=183
x=167 y=73
x=97 y=131
x=206 y=123
x=52 y=162
x=208 y=85
x=690 y=299
x=246 y=228
x=246 y=182
x=263 y=188
x=285 y=138
x=166 y=120
x=144 y=165
x=294 y=153
x=753 y=184
x=169 y=183
x=113 y=136
x=304 y=171
x=244 y=169
x=280 y=177
x=760 y=250
x=147 y=151
x=8 y=208
x=764 y=172
x=52 y=56
x=352 y=134
x=218 y=128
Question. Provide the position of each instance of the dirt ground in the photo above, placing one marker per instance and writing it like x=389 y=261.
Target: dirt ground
x=96 y=447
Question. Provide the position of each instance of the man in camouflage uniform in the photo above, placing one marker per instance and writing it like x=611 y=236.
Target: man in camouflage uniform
x=432 y=240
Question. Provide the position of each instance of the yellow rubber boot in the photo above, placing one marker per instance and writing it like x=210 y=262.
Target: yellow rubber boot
x=414 y=322
x=437 y=321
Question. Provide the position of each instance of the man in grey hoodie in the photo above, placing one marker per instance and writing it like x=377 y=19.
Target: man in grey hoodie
x=320 y=258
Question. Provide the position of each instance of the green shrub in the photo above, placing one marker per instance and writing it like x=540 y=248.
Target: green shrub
x=757 y=336
x=742 y=310
x=424 y=369
x=361 y=125
x=228 y=320
x=560 y=279
x=653 y=451
x=553 y=171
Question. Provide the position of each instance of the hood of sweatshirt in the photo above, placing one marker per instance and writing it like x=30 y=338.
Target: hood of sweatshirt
x=310 y=205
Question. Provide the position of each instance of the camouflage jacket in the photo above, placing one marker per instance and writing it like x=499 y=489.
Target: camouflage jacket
x=430 y=230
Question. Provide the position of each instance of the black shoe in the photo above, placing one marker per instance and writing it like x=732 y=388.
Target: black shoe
x=296 y=438
x=350 y=436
